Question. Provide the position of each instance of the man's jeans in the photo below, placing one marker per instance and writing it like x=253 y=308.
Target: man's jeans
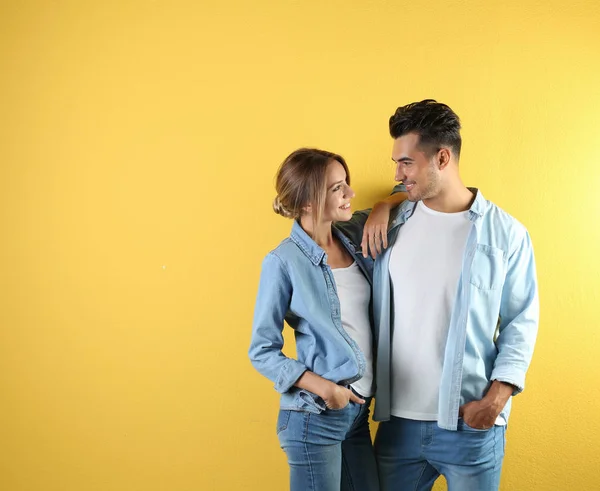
x=412 y=454
x=331 y=451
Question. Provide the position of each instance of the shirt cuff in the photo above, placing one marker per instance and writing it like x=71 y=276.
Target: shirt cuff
x=291 y=371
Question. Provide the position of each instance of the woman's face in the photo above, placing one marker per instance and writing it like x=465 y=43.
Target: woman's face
x=338 y=194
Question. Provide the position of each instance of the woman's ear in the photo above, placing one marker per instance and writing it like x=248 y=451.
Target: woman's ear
x=307 y=210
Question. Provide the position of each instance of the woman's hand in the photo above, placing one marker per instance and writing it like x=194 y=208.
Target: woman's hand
x=338 y=397
x=376 y=226
x=375 y=231
x=334 y=395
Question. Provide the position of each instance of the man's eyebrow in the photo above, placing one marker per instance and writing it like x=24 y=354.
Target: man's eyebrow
x=403 y=159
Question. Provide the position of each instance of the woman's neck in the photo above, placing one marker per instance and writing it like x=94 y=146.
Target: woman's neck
x=321 y=233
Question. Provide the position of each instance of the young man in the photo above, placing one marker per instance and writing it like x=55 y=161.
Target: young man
x=456 y=311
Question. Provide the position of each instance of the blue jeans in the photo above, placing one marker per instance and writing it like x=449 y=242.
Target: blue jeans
x=330 y=451
x=412 y=454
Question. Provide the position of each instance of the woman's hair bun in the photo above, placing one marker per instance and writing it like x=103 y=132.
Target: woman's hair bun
x=280 y=209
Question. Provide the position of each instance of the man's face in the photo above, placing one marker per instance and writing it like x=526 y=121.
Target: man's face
x=418 y=172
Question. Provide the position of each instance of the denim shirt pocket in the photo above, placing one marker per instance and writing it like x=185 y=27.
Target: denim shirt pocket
x=488 y=268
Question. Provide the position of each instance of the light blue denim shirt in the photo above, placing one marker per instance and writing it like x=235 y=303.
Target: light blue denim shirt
x=494 y=320
x=297 y=285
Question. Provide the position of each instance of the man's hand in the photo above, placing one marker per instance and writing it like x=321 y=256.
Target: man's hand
x=338 y=397
x=375 y=231
x=482 y=414
x=479 y=415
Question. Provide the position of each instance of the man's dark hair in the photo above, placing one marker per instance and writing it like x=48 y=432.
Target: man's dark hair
x=436 y=124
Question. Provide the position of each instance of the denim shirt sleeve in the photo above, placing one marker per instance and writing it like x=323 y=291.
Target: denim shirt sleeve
x=353 y=228
x=519 y=317
x=272 y=303
x=399 y=188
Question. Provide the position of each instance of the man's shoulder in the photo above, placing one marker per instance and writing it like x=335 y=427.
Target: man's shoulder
x=406 y=205
x=404 y=209
x=501 y=216
x=502 y=224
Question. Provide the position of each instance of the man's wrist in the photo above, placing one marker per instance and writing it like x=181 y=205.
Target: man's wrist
x=499 y=393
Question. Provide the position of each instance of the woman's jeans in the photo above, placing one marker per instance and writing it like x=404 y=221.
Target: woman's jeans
x=330 y=451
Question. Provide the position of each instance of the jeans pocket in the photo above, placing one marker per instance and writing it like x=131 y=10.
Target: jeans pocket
x=340 y=409
x=307 y=401
x=283 y=420
x=465 y=427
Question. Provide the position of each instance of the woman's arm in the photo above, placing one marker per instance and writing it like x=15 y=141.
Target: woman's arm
x=334 y=395
x=376 y=226
x=266 y=355
x=272 y=303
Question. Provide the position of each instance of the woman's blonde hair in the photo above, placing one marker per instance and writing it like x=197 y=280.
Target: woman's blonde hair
x=301 y=181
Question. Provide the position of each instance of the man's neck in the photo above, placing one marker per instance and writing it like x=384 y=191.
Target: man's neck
x=453 y=199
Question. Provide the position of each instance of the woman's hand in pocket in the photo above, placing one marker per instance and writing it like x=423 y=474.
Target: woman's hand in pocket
x=338 y=397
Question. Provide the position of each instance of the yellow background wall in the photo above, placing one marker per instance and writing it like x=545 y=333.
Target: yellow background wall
x=138 y=145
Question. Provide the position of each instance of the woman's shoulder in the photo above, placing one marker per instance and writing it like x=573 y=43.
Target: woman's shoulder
x=286 y=261
x=287 y=251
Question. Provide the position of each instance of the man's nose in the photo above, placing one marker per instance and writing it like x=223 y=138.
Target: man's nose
x=399 y=174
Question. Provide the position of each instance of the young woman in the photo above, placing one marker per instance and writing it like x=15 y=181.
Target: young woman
x=318 y=281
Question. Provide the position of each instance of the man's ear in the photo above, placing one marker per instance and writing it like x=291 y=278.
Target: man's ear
x=443 y=157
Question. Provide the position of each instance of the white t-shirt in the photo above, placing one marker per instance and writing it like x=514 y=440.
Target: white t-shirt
x=354 y=293
x=425 y=265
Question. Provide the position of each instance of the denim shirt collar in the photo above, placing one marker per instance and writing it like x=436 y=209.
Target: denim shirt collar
x=407 y=208
x=479 y=206
x=310 y=248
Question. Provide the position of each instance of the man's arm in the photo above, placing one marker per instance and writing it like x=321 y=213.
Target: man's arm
x=519 y=317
